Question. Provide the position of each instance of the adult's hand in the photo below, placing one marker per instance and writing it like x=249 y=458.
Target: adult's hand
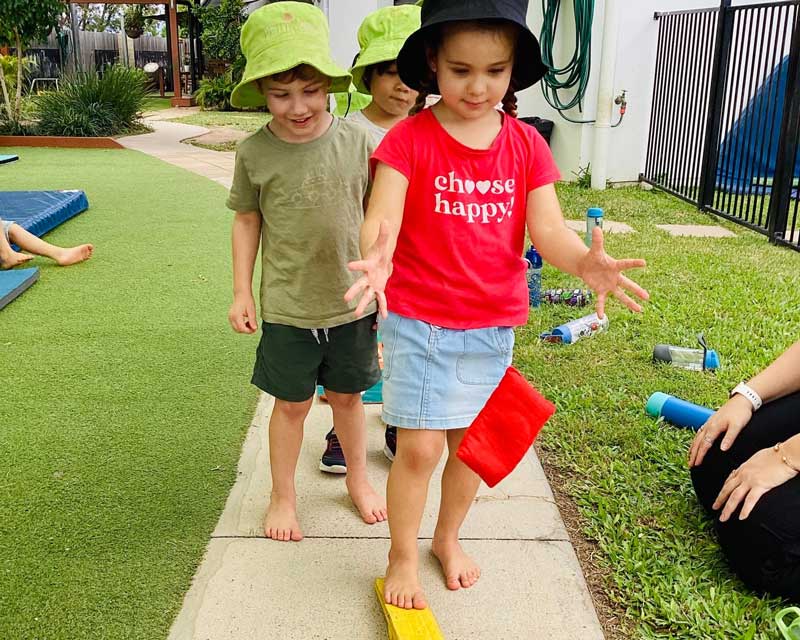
x=745 y=485
x=730 y=419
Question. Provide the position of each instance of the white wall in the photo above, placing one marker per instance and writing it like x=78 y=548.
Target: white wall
x=635 y=67
x=345 y=17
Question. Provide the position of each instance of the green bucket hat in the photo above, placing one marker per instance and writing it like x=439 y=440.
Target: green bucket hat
x=381 y=36
x=281 y=36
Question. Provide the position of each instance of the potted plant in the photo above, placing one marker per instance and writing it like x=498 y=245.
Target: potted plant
x=134 y=21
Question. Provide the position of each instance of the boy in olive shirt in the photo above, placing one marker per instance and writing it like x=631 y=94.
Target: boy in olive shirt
x=299 y=189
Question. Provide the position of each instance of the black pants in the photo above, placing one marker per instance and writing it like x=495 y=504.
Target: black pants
x=764 y=549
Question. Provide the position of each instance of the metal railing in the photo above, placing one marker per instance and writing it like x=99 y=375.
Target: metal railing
x=725 y=122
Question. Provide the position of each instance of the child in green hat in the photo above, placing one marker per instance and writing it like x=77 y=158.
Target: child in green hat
x=380 y=38
x=298 y=190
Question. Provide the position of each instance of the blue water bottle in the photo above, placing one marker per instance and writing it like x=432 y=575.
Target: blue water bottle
x=534 y=276
x=594 y=218
x=678 y=412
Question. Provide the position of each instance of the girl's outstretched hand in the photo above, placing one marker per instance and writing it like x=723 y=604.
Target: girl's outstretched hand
x=604 y=276
x=376 y=267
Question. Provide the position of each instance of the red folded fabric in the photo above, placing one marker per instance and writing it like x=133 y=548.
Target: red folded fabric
x=505 y=428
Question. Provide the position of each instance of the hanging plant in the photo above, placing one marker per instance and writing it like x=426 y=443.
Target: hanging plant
x=134 y=21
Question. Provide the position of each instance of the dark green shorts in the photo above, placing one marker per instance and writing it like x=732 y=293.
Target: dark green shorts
x=290 y=362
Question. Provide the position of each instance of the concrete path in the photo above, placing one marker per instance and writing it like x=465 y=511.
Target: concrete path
x=249 y=587
x=165 y=143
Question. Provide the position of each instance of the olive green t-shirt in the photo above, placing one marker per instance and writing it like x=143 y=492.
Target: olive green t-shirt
x=311 y=198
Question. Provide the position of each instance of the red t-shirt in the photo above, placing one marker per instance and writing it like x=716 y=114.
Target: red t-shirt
x=458 y=261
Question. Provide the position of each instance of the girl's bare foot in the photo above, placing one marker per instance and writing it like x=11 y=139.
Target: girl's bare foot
x=401 y=585
x=459 y=569
x=73 y=255
x=370 y=505
x=281 y=522
x=13 y=259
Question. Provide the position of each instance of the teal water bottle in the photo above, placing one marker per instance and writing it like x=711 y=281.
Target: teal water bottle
x=534 y=276
x=594 y=218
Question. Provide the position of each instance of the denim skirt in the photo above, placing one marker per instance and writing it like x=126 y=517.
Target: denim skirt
x=439 y=378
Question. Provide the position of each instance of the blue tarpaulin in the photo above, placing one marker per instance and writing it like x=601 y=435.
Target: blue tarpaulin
x=749 y=151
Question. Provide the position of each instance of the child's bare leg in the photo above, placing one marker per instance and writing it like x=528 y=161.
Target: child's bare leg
x=285 y=439
x=418 y=452
x=351 y=427
x=8 y=257
x=64 y=256
x=459 y=486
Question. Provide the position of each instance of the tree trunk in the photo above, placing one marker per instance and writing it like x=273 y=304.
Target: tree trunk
x=18 y=104
x=6 y=100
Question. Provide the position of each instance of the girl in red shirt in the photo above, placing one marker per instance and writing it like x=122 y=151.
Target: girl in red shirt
x=455 y=187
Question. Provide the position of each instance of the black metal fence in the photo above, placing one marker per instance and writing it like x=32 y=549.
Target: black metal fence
x=725 y=123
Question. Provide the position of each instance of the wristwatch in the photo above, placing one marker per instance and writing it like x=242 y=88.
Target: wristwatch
x=749 y=393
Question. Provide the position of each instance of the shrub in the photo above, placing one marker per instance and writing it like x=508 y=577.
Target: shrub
x=94 y=105
x=214 y=94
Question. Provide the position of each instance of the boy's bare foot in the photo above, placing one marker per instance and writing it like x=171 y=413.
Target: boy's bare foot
x=73 y=255
x=401 y=585
x=281 y=522
x=13 y=259
x=370 y=505
x=459 y=569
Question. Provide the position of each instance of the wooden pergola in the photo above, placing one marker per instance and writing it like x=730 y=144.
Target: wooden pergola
x=171 y=7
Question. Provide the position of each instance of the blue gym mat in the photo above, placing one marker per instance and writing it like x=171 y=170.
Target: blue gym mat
x=7 y=158
x=41 y=211
x=14 y=282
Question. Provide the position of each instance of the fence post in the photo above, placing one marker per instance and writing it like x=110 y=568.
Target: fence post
x=782 y=183
x=719 y=80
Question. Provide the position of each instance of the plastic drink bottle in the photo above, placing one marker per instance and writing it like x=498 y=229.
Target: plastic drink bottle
x=693 y=359
x=594 y=218
x=569 y=297
x=573 y=331
x=534 y=276
x=788 y=621
x=676 y=411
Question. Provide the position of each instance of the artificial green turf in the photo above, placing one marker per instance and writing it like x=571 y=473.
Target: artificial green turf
x=125 y=399
x=627 y=472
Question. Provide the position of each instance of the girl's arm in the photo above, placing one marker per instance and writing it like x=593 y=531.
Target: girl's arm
x=379 y=237
x=556 y=243
x=246 y=236
x=562 y=248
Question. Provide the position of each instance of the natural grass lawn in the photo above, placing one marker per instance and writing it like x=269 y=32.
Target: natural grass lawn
x=125 y=400
x=157 y=103
x=626 y=472
x=243 y=120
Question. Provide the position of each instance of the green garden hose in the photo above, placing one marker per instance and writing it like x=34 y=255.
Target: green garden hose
x=574 y=76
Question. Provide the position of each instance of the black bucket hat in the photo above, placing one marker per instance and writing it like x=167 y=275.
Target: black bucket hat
x=412 y=63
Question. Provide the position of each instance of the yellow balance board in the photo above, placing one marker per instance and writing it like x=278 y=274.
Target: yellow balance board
x=408 y=624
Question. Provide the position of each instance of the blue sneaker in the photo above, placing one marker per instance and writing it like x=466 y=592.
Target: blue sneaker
x=333 y=459
x=390 y=448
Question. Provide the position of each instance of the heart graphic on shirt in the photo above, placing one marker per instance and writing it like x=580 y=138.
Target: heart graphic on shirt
x=469 y=185
x=484 y=186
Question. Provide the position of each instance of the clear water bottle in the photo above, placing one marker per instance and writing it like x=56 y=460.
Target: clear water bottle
x=693 y=359
x=594 y=218
x=534 y=277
